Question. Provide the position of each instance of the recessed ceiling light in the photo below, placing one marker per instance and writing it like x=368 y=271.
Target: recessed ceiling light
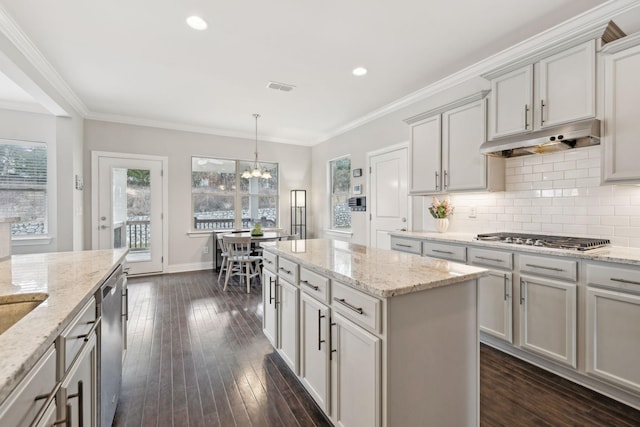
x=196 y=23
x=359 y=71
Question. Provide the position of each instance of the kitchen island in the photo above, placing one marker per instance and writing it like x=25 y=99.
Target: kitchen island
x=377 y=337
x=66 y=282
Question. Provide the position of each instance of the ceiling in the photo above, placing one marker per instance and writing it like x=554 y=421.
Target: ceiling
x=139 y=62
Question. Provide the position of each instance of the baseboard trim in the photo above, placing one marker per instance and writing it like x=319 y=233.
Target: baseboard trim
x=194 y=266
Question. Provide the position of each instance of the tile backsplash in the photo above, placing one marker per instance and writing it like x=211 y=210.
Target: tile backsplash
x=556 y=193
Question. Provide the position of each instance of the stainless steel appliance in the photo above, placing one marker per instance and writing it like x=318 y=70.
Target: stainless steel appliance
x=559 y=242
x=110 y=345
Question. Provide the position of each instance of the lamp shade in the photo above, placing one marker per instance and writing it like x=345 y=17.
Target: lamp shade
x=298 y=198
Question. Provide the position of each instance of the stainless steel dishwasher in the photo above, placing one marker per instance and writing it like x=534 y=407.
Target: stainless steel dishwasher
x=110 y=345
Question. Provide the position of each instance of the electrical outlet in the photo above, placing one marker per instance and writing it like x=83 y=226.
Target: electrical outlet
x=473 y=213
x=205 y=250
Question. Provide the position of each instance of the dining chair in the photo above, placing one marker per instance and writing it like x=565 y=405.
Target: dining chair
x=240 y=261
x=224 y=253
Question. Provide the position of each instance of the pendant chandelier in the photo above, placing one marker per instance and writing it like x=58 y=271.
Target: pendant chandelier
x=256 y=172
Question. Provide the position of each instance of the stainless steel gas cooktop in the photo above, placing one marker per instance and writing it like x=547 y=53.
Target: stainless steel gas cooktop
x=559 y=242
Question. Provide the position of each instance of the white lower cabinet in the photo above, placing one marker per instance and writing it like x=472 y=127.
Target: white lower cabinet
x=24 y=403
x=269 y=317
x=548 y=318
x=495 y=308
x=314 y=349
x=355 y=375
x=613 y=337
x=78 y=394
x=287 y=319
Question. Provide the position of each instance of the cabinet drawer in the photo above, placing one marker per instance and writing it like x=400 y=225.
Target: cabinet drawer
x=550 y=267
x=491 y=258
x=357 y=306
x=20 y=408
x=614 y=276
x=288 y=270
x=445 y=251
x=72 y=338
x=402 y=244
x=314 y=284
x=270 y=261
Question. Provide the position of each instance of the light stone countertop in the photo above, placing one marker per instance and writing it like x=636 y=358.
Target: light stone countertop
x=607 y=254
x=378 y=272
x=70 y=279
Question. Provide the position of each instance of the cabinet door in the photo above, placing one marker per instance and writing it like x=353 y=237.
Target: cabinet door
x=463 y=131
x=548 y=319
x=288 y=323
x=511 y=103
x=566 y=89
x=613 y=337
x=314 y=353
x=495 y=310
x=79 y=391
x=621 y=125
x=270 y=311
x=426 y=157
x=355 y=375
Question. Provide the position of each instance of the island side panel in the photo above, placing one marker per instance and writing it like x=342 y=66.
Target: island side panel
x=432 y=352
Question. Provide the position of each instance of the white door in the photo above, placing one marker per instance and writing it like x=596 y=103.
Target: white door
x=288 y=323
x=314 y=348
x=510 y=104
x=270 y=311
x=355 y=375
x=128 y=209
x=548 y=319
x=426 y=156
x=389 y=196
x=494 y=305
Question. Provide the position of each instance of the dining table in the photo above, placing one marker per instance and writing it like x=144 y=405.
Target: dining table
x=266 y=236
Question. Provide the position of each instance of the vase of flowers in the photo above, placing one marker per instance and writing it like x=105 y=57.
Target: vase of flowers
x=440 y=211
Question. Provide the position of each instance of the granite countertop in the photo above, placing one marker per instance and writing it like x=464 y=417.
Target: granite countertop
x=70 y=279
x=607 y=254
x=378 y=272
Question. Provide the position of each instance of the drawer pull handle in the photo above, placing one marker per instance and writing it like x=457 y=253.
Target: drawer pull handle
x=506 y=279
x=285 y=270
x=442 y=252
x=320 y=340
x=545 y=268
x=331 y=349
x=271 y=297
x=522 y=282
x=306 y=283
x=402 y=245
x=437 y=184
x=489 y=259
x=613 y=279
x=86 y=336
x=526 y=116
x=349 y=306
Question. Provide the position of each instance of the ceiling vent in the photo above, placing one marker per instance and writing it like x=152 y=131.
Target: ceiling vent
x=280 y=86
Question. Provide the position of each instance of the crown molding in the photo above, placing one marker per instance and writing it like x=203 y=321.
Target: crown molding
x=161 y=124
x=447 y=107
x=621 y=44
x=28 y=107
x=19 y=39
x=588 y=22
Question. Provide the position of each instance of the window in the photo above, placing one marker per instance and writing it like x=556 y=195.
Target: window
x=222 y=199
x=340 y=176
x=23 y=186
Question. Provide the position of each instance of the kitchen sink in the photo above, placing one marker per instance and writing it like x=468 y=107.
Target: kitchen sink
x=14 y=307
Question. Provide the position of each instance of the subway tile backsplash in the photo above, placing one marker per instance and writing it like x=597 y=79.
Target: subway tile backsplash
x=557 y=193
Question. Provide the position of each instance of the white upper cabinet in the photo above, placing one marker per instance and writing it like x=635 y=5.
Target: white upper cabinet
x=426 y=155
x=620 y=144
x=445 y=150
x=511 y=102
x=566 y=89
x=557 y=89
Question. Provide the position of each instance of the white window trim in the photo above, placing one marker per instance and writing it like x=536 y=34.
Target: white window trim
x=329 y=228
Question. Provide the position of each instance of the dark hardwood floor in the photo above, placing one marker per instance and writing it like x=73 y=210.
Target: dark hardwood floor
x=197 y=357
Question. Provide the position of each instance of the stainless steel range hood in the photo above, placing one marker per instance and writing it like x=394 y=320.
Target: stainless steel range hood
x=571 y=135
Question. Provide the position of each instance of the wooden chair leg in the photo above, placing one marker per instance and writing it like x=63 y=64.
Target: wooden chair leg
x=229 y=268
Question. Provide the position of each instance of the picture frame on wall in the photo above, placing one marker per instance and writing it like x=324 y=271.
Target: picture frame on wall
x=357 y=173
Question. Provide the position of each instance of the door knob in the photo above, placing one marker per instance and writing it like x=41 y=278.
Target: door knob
x=102 y=227
x=103 y=218
x=404 y=219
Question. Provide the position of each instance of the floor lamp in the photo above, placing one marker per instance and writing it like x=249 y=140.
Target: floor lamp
x=299 y=213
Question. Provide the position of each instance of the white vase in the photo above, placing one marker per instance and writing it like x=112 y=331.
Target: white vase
x=442 y=224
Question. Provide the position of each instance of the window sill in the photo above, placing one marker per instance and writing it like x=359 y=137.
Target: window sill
x=31 y=241
x=339 y=232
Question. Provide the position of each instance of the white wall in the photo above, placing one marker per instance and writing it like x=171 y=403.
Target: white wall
x=185 y=252
x=382 y=132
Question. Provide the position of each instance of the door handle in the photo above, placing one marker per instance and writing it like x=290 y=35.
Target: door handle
x=102 y=227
